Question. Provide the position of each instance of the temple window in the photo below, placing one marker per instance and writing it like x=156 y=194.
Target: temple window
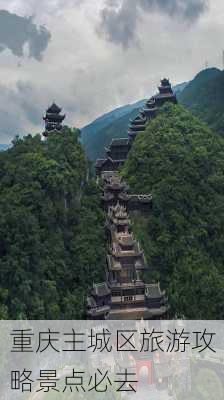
x=128 y=298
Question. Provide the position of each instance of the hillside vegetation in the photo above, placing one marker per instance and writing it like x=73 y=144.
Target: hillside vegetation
x=181 y=162
x=204 y=96
x=52 y=244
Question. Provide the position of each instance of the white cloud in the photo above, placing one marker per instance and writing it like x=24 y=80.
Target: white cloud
x=87 y=75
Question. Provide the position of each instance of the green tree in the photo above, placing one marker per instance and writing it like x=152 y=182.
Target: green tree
x=181 y=161
x=52 y=240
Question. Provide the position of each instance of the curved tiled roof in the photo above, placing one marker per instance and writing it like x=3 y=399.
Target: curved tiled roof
x=54 y=109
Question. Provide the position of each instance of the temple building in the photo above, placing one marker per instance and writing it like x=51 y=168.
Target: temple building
x=137 y=125
x=124 y=295
x=53 y=119
x=116 y=155
x=118 y=150
x=154 y=103
x=115 y=190
x=165 y=93
x=150 y=108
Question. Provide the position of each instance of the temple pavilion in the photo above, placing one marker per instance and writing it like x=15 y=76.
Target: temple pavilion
x=53 y=119
x=115 y=190
x=124 y=295
x=116 y=155
x=165 y=93
x=150 y=109
x=117 y=152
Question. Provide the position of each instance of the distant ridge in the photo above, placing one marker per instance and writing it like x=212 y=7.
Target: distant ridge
x=105 y=119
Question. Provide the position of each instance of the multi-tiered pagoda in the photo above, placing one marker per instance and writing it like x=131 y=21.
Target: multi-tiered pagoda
x=118 y=150
x=150 y=108
x=115 y=190
x=155 y=102
x=165 y=93
x=124 y=295
x=53 y=119
x=116 y=155
x=137 y=125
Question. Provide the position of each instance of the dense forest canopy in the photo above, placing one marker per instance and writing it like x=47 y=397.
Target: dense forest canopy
x=181 y=162
x=204 y=96
x=52 y=244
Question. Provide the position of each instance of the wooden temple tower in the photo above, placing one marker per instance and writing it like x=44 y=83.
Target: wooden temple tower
x=124 y=294
x=53 y=119
x=115 y=190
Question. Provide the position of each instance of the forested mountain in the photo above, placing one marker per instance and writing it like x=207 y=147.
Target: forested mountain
x=181 y=162
x=204 y=96
x=98 y=135
x=52 y=244
x=180 y=87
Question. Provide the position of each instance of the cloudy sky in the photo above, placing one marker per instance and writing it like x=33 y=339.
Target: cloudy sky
x=91 y=56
